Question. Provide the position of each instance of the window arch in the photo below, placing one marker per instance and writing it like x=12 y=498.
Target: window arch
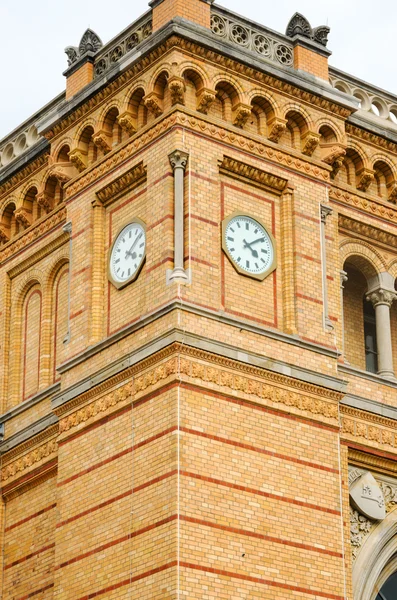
x=389 y=589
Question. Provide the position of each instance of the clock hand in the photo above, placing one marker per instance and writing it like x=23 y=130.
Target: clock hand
x=129 y=252
x=258 y=240
x=248 y=245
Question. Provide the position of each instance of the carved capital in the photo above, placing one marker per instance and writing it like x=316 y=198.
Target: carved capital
x=62 y=174
x=365 y=178
x=276 y=129
x=23 y=217
x=310 y=142
x=381 y=296
x=152 y=103
x=176 y=86
x=241 y=114
x=343 y=278
x=205 y=98
x=78 y=158
x=4 y=235
x=44 y=201
x=325 y=212
x=178 y=159
x=393 y=193
x=333 y=155
x=127 y=122
x=102 y=141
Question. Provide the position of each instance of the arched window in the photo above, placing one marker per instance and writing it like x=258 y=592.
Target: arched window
x=389 y=589
x=371 y=351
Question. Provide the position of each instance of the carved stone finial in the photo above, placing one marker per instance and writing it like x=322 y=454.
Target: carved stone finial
x=72 y=53
x=299 y=25
x=320 y=34
x=90 y=42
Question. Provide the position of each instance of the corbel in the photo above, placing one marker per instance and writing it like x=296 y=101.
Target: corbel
x=4 y=236
x=333 y=155
x=277 y=126
x=364 y=179
x=44 y=201
x=392 y=191
x=23 y=217
x=102 y=141
x=78 y=158
x=310 y=141
x=63 y=172
x=177 y=88
x=205 y=98
x=241 y=114
x=152 y=103
x=127 y=122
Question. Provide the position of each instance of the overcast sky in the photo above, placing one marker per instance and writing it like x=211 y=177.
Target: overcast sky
x=34 y=33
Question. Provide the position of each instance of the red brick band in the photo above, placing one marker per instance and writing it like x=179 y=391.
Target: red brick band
x=94 y=508
x=96 y=466
x=33 y=516
x=28 y=556
x=36 y=592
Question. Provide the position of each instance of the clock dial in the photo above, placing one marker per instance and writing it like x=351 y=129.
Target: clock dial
x=128 y=253
x=249 y=246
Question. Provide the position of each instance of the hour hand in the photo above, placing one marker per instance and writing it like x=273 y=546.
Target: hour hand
x=248 y=245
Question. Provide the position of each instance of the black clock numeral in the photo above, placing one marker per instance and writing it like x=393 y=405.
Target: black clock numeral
x=238 y=259
x=256 y=231
x=247 y=226
x=130 y=234
x=117 y=261
x=238 y=225
x=129 y=272
x=247 y=263
x=141 y=245
x=135 y=266
x=231 y=229
x=263 y=260
x=122 y=274
x=230 y=238
x=263 y=250
x=232 y=249
x=136 y=231
x=256 y=265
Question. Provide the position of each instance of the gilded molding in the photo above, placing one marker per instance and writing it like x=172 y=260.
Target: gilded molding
x=240 y=170
x=35 y=232
x=369 y=206
x=132 y=178
x=367 y=231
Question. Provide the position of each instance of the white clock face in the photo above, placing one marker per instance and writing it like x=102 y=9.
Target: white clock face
x=249 y=246
x=128 y=253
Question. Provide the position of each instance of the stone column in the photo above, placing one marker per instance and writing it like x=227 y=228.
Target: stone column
x=178 y=160
x=68 y=229
x=382 y=300
x=98 y=271
x=325 y=211
x=343 y=279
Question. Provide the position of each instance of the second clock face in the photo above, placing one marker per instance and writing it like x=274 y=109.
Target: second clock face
x=127 y=254
x=249 y=246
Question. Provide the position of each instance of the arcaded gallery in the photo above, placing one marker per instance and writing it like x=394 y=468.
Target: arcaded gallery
x=198 y=320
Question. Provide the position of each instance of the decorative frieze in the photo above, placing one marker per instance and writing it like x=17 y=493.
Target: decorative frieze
x=29 y=460
x=240 y=170
x=133 y=177
x=371 y=207
x=368 y=429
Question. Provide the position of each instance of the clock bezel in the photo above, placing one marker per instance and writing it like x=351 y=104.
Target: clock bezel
x=121 y=284
x=272 y=266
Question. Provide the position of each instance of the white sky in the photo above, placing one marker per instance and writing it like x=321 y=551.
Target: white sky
x=34 y=33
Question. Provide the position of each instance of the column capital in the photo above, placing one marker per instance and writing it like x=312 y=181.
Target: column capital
x=381 y=296
x=67 y=228
x=343 y=277
x=325 y=212
x=178 y=159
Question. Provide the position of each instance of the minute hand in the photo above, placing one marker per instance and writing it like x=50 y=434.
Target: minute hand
x=248 y=245
x=256 y=241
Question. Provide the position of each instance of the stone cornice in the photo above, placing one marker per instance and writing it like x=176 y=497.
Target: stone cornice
x=34 y=232
x=92 y=98
x=368 y=429
x=366 y=231
x=123 y=184
x=372 y=462
x=16 y=179
x=363 y=203
x=31 y=260
x=244 y=172
x=371 y=137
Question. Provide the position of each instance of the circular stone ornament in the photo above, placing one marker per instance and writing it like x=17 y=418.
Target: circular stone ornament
x=367 y=497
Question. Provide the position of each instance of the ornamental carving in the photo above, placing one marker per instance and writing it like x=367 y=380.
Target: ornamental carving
x=375 y=430
x=29 y=460
x=365 y=178
x=132 y=178
x=152 y=103
x=4 y=235
x=257 y=40
x=233 y=167
x=44 y=201
x=381 y=296
x=89 y=43
x=176 y=85
x=276 y=129
x=299 y=25
x=78 y=158
x=127 y=122
x=373 y=234
x=102 y=141
x=23 y=217
x=310 y=142
x=241 y=114
x=369 y=206
x=99 y=406
x=205 y=98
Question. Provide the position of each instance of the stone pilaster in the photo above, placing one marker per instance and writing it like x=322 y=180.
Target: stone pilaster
x=178 y=160
x=382 y=300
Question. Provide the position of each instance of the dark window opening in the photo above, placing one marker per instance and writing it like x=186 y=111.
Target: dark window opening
x=389 y=589
x=371 y=351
